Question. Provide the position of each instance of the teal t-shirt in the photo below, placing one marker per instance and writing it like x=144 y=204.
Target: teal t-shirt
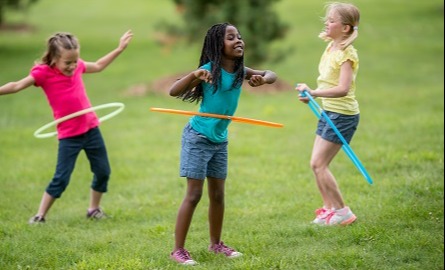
x=224 y=101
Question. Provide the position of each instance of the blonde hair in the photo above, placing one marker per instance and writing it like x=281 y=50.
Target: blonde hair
x=55 y=44
x=349 y=15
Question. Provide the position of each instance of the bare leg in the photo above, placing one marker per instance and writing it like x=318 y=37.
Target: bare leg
x=322 y=155
x=95 y=198
x=45 y=204
x=216 y=209
x=186 y=210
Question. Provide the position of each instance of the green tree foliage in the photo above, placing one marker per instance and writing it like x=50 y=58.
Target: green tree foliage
x=13 y=4
x=255 y=19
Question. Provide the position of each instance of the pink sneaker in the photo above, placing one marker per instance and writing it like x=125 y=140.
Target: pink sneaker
x=220 y=248
x=182 y=256
x=321 y=215
x=342 y=216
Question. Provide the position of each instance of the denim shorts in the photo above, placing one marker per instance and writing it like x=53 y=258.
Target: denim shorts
x=201 y=158
x=346 y=124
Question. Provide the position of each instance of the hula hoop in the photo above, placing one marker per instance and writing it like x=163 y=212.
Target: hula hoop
x=319 y=113
x=221 y=116
x=120 y=107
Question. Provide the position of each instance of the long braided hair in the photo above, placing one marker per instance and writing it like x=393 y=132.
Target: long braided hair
x=212 y=51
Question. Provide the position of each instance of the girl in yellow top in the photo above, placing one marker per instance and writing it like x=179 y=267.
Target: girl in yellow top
x=336 y=87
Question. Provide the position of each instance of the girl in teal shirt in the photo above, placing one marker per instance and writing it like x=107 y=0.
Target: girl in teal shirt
x=216 y=84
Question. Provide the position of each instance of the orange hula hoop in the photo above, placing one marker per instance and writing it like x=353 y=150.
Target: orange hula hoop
x=220 y=116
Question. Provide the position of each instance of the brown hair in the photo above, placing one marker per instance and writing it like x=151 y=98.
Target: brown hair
x=55 y=44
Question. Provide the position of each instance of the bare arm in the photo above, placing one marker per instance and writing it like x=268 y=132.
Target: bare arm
x=260 y=77
x=190 y=81
x=102 y=63
x=14 y=87
x=341 y=90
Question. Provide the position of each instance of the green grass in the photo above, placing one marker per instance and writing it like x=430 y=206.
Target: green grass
x=271 y=192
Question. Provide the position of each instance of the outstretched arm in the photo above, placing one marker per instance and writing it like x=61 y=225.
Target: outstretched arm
x=103 y=62
x=14 y=87
x=260 y=77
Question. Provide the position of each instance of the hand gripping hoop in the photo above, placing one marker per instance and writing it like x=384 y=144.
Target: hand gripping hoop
x=120 y=107
x=319 y=112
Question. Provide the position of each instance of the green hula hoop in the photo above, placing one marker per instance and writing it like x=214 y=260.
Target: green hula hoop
x=120 y=107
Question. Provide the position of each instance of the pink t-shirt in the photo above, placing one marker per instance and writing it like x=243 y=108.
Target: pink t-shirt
x=66 y=95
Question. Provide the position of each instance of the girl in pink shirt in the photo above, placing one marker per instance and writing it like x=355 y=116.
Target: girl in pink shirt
x=59 y=74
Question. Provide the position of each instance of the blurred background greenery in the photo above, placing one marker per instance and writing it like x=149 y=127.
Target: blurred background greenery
x=270 y=193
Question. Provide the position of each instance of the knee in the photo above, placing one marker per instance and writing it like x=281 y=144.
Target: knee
x=100 y=182
x=104 y=178
x=102 y=174
x=194 y=197
x=316 y=166
x=57 y=187
x=217 y=197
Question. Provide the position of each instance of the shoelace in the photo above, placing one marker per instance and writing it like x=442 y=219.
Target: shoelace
x=323 y=213
x=320 y=211
x=39 y=219
x=329 y=216
x=183 y=254
x=223 y=249
x=96 y=213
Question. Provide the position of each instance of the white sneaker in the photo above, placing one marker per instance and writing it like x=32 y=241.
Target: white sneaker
x=321 y=216
x=342 y=216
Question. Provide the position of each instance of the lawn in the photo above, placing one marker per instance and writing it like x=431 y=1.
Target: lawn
x=271 y=193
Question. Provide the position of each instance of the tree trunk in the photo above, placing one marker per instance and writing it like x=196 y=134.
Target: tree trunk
x=2 y=3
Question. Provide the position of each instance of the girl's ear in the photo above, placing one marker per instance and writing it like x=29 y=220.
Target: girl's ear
x=346 y=28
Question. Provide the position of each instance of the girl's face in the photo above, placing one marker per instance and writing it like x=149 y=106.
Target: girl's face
x=233 y=43
x=334 y=28
x=67 y=61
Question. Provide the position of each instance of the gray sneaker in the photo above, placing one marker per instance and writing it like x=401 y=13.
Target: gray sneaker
x=96 y=214
x=36 y=220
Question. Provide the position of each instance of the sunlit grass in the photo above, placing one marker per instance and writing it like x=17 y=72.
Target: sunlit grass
x=270 y=192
